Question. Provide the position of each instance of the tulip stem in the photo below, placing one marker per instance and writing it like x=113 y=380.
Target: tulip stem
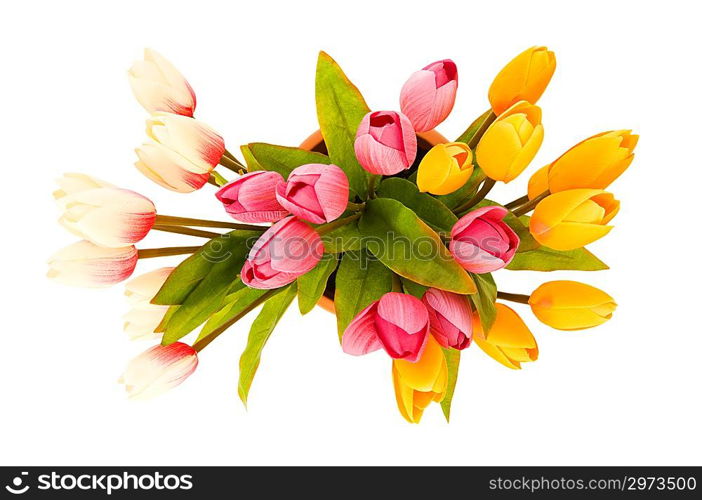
x=513 y=297
x=148 y=253
x=529 y=206
x=519 y=201
x=232 y=165
x=169 y=220
x=355 y=206
x=331 y=226
x=229 y=155
x=212 y=180
x=186 y=230
x=472 y=144
x=371 y=186
x=216 y=179
x=488 y=184
x=205 y=341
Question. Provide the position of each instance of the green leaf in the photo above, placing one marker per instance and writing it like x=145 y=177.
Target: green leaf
x=360 y=280
x=311 y=285
x=484 y=300
x=413 y=288
x=223 y=257
x=453 y=360
x=260 y=332
x=236 y=306
x=343 y=239
x=473 y=128
x=340 y=109
x=281 y=159
x=547 y=259
x=454 y=199
x=526 y=240
x=408 y=246
x=428 y=208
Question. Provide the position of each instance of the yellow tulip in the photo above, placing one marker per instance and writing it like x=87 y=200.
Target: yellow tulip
x=569 y=305
x=445 y=168
x=572 y=219
x=509 y=341
x=593 y=163
x=511 y=142
x=523 y=79
x=418 y=384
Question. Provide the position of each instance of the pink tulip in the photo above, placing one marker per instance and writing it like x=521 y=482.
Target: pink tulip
x=315 y=192
x=385 y=143
x=481 y=242
x=428 y=96
x=398 y=323
x=251 y=197
x=450 y=317
x=159 y=369
x=86 y=264
x=289 y=249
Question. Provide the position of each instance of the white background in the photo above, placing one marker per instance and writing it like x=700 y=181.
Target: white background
x=625 y=393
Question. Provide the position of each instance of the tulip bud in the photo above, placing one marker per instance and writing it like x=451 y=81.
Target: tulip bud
x=511 y=142
x=385 y=143
x=109 y=217
x=85 y=264
x=523 y=79
x=197 y=143
x=428 y=96
x=158 y=86
x=509 y=341
x=288 y=249
x=73 y=183
x=398 y=323
x=569 y=305
x=144 y=317
x=481 y=242
x=158 y=370
x=593 y=163
x=574 y=218
x=251 y=197
x=450 y=318
x=316 y=193
x=445 y=168
x=418 y=384
x=168 y=169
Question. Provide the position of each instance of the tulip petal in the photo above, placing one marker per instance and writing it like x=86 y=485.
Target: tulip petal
x=422 y=374
x=361 y=337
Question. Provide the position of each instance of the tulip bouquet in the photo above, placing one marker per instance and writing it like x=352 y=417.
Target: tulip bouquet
x=377 y=218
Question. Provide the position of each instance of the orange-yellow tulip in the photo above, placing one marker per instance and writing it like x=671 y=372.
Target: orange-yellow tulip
x=572 y=219
x=509 y=341
x=523 y=79
x=569 y=305
x=418 y=384
x=594 y=163
x=445 y=168
x=511 y=142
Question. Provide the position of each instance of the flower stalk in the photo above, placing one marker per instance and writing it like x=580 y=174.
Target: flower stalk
x=529 y=206
x=169 y=220
x=513 y=297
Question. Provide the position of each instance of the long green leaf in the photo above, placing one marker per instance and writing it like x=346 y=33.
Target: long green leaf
x=260 y=332
x=473 y=128
x=453 y=360
x=428 y=208
x=408 y=246
x=346 y=238
x=236 y=306
x=311 y=285
x=547 y=259
x=340 y=109
x=360 y=280
x=281 y=159
x=484 y=300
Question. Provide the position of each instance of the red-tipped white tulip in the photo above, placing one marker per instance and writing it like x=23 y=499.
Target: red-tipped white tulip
x=158 y=370
x=289 y=249
x=159 y=86
x=398 y=323
x=191 y=139
x=450 y=317
x=109 y=217
x=251 y=197
x=315 y=192
x=385 y=143
x=72 y=183
x=86 y=264
x=143 y=318
x=168 y=169
x=427 y=97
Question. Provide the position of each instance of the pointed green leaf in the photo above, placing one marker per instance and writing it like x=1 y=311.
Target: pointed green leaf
x=473 y=128
x=547 y=259
x=428 y=208
x=343 y=239
x=408 y=246
x=340 y=109
x=311 y=286
x=281 y=159
x=260 y=332
x=484 y=300
x=453 y=360
x=236 y=306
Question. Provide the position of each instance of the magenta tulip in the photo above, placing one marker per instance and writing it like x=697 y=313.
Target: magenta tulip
x=450 y=318
x=385 y=143
x=428 y=96
x=289 y=249
x=251 y=197
x=398 y=323
x=481 y=242
x=315 y=192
